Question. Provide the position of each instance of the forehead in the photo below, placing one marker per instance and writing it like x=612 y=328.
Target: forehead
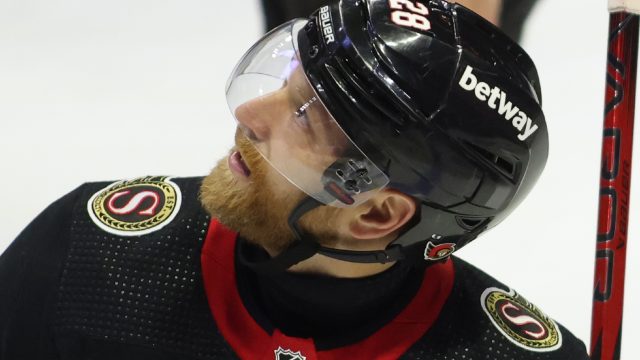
x=297 y=76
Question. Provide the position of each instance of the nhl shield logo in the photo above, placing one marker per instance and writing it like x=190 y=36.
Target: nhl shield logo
x=438 y=252
x=286 y=354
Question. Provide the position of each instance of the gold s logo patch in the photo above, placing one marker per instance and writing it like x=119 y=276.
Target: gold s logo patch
x=135 y=207
x=520 y=321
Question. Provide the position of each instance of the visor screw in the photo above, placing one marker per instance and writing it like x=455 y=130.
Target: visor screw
x=351 y=186
x=310 y=25
x=313 y=52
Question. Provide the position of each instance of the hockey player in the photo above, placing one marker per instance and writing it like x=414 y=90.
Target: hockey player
x=374 y=139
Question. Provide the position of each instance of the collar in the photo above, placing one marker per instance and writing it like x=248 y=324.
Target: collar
x=334 y=311
x=252 y=341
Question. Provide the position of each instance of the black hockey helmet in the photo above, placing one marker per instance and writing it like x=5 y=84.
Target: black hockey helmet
x=430 y=99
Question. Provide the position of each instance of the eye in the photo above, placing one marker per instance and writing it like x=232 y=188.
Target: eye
x=302 y=115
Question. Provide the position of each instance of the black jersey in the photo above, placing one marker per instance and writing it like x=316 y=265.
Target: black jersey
x=137 y=270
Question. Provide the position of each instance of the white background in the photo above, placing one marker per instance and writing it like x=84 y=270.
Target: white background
x=102 y=90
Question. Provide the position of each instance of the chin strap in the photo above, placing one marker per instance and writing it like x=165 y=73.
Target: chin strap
x=390 y=254
x=409 y=246
x=301 y=249
x=305 y=247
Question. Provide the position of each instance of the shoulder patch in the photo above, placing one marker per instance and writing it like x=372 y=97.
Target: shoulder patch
x=520 y=321
x=135 y=207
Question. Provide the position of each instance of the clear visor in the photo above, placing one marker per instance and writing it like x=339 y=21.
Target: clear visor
x=282 y=115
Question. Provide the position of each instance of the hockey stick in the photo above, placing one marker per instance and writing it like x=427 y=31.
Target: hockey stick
x=615 y=180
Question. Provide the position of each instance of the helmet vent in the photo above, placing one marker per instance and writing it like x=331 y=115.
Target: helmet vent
x=506 y=166
x=469 y=223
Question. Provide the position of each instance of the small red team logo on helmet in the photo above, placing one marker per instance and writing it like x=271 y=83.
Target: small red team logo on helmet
x=135 y=207
x=438 y=252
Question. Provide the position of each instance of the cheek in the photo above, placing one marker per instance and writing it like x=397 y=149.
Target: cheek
x=264 y=178
x=281 y=188
x=302 y=158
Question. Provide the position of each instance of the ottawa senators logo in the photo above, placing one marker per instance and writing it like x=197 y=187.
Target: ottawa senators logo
x=135 y=207
x=520 y=321
x=438 y=252
x=286 y=354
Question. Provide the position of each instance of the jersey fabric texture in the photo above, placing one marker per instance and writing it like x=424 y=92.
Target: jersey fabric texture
x=72 y=289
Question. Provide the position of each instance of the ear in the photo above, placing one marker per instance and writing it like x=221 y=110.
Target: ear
x=385 y=213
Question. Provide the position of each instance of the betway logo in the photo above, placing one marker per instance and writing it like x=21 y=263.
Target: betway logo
x=484 y=92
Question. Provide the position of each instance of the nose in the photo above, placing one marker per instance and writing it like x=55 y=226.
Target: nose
x=258 y=117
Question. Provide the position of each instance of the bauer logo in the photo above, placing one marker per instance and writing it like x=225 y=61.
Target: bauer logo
x=135 y=207
x=498 y=100
x=520 y=321
x=327 y=25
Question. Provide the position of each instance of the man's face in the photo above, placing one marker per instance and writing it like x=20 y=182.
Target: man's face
x=247 y=194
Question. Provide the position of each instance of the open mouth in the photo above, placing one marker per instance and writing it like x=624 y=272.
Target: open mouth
x=237 y=164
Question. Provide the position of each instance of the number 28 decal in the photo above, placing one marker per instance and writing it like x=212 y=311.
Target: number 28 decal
x=410 y=14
